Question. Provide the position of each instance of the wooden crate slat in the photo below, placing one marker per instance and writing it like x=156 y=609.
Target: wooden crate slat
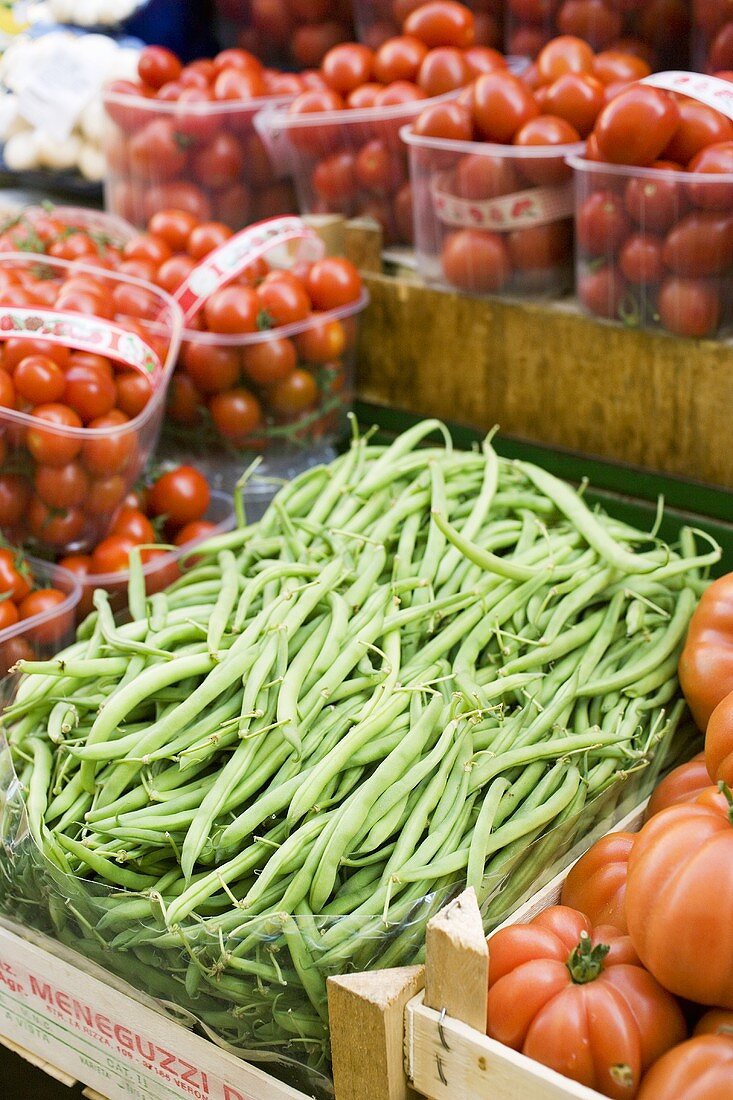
x=40 y=1063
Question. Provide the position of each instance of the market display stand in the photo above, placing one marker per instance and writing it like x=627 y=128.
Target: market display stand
x=447 y=1054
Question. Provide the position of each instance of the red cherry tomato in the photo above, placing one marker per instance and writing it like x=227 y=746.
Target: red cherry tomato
x=112 y=555
x=18 y=347
x=219 y=163
x=135 y=525
x=78 y=564
x=211 y=368
x=615 y=67
x=378 y=168
x=602 y=291
x=205 y=238
x=655 y=203
x=236 y=414
x=269 y=361
x=640 y=259
x=113 y=452
x=174 y=227
x=689 y=307
x=8 y=614
x=480 y=177
x=133 y=392
x=242 y=85
x=593 y=20
x=54 y=527
x=54 y=448
x=14 y=496
x=283 y=300
x=483 y=59
x=15 y=577
x=636 y=126
x=294 y=394
x=181 y=495
x=105 y=495
x=540 y=248
x=442 y=23
x=38 y=380
x=154 y=154
x=194 y=532
x=89 y=390
x=501 y=106
x=475 y=259
x=700 y=244
x=333 y=282
x=232 y=309
x=62 y=486
x=157 y=66
x=334 y=177
x=322 y=341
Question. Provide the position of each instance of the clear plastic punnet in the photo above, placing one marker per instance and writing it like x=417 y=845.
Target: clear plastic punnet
x=206 y=158
x=493 y=219
x=654 y=248
x=64 y=476
x=44 y=634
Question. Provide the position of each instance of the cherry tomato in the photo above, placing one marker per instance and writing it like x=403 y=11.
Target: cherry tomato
x=18 y=347
x=178 y=195
x=476 y=259
x=602 y=224
x=207 y=237
x=483 y=59
x=441 y=23
x=148 y=246
x=378 y=168
x=174 y=272
x=114 y=451
x=317 y=141
x=133 y=392
x=592 y=20
x=294 y=394
x=236 y=58
x=501 y=106
x=78 y=564
x=129 y=300
x=543 y=131
x=282 y=300
x=640 y=258
x=42 y=602
x=540 y=247
x=654 y=204
x=8 y=614
x=220 y=163
x=38 y=380
x=615 y=66
x=112 y=555
x=602 y=291
x=135 y=525
x=577 y=98
x=181 y=495
x=322 y=341
x=699 y=127
x=689 y=307
x=399 y=58
x=700 y=244
x=157 y=66
x=211 y=368
x=443 y=70
x=240 y=85
x=15 y=578
x=712 y=161
x=480 y=177
x=347 y=66
x=334 y=178
x=194 y=532
x=232 y=309
x=52 y=526
x=61 y=486
x=155 y=152
x=236 y=414
x=269 y=361
x=7 y=388
x=54 y=448
x=89 y=390
x=184 y=400
x=401 y=91
x=104 y=496
x=636 y=126
x=14 y=496
x=333 y=282
x=174 y=227
x=364 y=97
x=565 y=54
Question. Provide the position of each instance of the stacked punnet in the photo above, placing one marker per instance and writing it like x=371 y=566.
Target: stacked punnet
x=422 y=668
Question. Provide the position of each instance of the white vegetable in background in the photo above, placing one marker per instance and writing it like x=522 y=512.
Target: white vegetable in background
x=83 y=13
x=41 y=142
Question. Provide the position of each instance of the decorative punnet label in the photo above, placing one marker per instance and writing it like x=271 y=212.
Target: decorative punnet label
x=536 y=206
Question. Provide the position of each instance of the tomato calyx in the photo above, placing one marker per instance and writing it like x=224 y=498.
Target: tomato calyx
x=726 y=791
x=623 y=1075
x=586 y=961
x=265 y=321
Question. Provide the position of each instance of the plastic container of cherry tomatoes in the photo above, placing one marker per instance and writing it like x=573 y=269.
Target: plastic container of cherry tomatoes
x=42 y=635
x=712 y=35
x=65 y=232
x=658 y=30
x=654 y=247
x=289 y=426
x=286 y=33
x=378 y=20
x=349 y=162
x=63 y=479
x=163 y=566
x=206 y=158
x=493 y=219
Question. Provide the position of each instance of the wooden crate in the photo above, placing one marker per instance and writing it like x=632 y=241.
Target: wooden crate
x=545 y=372
x=80 y=1024
x=441 y=1030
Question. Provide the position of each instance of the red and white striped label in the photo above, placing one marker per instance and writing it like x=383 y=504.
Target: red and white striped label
x=83 y=333
x=710 y=90
x=536 y=206
x=273 y=238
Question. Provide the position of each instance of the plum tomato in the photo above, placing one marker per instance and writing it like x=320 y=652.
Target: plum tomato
x=483 y=59
x=689 y=307
x=595 y=21
x=617 y=66
x=602 y=290
x=602 y=224
x=443 y=70
x=637 y=126
x=654 y=203
x=479 y=177
x=577 y=98
x=442 y=23
x=538 y=248
x=502 y=104
x=699 y=127
x=347 y=66
x=477 y=260
x=565 y=54
x=714 y=160
x=543 y=131
x=399 y=58
x=700 y=244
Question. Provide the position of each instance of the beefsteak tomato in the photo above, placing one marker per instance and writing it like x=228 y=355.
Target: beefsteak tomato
x=706 y=662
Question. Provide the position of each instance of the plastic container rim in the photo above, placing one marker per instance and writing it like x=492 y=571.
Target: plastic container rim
x=295 y=328
x=176 y=332
x=669 y=175
x=70 y=214
x=50 y=572
x=275 y=118
x=489 y=149
x=175 y=107
x=105 y=580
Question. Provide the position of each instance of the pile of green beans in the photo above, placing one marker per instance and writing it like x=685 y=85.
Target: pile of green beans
x=422 y=668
